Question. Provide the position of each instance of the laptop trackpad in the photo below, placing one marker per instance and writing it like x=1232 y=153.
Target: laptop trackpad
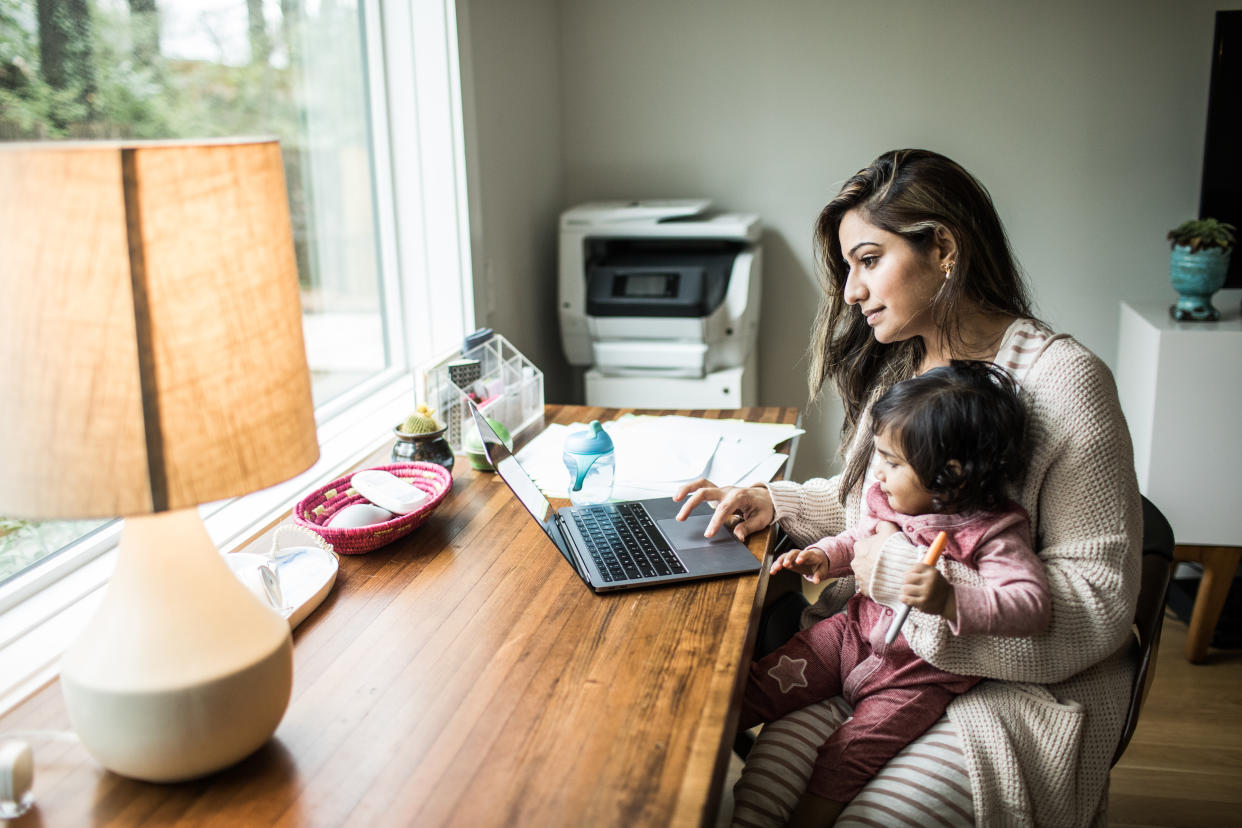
x=688 y=534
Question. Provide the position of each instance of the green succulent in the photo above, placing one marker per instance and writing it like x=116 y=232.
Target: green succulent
x=1198 y=234
x=422 y=421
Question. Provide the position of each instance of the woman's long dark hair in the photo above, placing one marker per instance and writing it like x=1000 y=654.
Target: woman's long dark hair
x=912 y=193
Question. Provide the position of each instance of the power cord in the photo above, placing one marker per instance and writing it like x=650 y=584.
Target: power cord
x=17 y=768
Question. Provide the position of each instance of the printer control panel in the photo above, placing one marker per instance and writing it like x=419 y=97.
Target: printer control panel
x=645 y=285
x=632 y=278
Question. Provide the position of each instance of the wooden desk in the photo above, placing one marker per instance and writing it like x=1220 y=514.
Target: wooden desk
x=464 y=675
x=1220 y=564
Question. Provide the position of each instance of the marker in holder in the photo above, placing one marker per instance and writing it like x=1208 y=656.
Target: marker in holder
x=465 y=373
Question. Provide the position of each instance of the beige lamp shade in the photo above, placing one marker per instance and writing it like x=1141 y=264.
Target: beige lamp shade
x=150 y=327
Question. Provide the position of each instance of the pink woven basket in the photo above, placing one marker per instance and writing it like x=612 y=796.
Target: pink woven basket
x=316 y=509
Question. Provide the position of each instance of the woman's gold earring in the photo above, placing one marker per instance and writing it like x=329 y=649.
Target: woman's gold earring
x=948 y=268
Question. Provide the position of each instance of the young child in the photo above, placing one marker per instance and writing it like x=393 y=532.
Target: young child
x=947 y=443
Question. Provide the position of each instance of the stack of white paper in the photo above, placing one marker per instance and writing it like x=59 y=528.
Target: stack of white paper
x=656 y=456
x=654 y=460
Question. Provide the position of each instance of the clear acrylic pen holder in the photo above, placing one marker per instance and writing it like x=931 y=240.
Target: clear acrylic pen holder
x=506 y=386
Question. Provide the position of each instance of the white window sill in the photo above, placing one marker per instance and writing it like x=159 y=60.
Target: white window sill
x=49 y=605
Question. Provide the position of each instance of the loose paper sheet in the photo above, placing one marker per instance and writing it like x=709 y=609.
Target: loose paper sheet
x=657 y=455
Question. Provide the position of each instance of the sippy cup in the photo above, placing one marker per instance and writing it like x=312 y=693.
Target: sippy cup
x=591 y=463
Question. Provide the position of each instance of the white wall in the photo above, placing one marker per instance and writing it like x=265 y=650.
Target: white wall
x=1085 y=120
x=511 y=80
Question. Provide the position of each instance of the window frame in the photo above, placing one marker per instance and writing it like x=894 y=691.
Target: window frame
x=413 y=83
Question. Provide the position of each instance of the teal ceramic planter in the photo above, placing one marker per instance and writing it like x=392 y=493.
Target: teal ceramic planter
x=1195 y=277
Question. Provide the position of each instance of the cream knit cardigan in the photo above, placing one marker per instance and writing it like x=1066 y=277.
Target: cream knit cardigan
x=1038 y=744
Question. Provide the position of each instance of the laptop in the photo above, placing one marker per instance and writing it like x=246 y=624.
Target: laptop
x=622 y=545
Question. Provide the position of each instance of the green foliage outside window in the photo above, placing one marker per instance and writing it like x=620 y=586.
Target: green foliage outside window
x=23 y=542
x=94 y=69
x=120 y=86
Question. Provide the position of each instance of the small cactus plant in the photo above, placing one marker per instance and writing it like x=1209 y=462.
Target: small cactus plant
x=422 y=421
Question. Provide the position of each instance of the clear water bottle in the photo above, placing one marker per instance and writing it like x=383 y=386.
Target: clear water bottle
x=591 y=462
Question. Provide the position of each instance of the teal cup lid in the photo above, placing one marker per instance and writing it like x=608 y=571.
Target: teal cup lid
x=592 y=441
x=586 y=447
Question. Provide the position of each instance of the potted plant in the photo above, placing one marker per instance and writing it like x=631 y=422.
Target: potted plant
x=1197 y=267
x=420 y=438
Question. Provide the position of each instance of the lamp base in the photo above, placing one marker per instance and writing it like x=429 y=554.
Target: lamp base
x=182 y=671
x=183 y=733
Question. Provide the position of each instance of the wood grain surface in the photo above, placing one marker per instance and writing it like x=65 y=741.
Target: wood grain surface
x=1183 y=767
x=1220 y=565
x=464 y=675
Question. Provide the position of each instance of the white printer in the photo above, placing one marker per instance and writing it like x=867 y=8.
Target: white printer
x=661 y=300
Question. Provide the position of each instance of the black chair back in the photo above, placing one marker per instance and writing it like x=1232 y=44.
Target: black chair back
x=1157 y=572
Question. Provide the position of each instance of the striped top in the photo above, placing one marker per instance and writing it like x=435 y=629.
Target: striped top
x=1021 y=346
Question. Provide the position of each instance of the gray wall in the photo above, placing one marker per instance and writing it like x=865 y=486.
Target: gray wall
x=511 y=78
x=1085 y=120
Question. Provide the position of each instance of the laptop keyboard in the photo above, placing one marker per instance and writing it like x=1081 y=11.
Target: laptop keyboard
x=625 y=543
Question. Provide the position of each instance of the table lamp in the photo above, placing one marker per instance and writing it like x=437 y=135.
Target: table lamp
x=152 y=353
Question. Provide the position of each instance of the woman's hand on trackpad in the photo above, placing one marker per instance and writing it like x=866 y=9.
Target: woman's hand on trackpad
x=742 y=511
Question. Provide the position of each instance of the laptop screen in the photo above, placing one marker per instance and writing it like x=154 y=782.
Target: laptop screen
x=510 y=470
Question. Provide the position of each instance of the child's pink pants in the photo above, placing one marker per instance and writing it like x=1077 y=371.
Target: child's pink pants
x=895 y=694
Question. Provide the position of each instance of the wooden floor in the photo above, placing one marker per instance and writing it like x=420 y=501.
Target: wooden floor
x=1184 y=765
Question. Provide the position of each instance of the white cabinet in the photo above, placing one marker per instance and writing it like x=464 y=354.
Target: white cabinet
x=1180 y=385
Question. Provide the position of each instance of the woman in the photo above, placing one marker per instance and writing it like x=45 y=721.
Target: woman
x=917 y=271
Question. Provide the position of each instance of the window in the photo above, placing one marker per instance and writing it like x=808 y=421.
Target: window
x=24 y=543
x=364 y=96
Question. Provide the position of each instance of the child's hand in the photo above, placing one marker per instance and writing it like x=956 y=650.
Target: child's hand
x=927 y=590
x=867 y=554
x=811 y=563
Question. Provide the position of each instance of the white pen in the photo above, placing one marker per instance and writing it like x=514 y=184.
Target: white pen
x=933 y=555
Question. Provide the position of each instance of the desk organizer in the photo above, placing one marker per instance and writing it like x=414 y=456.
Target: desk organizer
x=314 y=510
x=506 y=386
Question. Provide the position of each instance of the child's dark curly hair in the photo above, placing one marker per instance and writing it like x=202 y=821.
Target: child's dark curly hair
x=967 y=411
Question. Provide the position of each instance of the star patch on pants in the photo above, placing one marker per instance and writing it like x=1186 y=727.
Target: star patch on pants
x=790 y=672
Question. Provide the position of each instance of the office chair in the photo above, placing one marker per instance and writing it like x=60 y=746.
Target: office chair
x=1157 y=572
